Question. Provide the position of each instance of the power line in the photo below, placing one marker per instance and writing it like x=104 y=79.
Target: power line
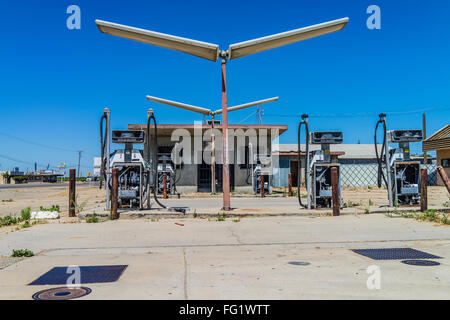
x=361 y=114
x=41 y=144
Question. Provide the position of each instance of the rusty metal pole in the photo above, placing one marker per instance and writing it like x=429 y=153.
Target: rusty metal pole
x=165 y=185
x=115 y=193
x=423 y=190
x=213 y=158
x=72 y=193
x=335 y=191
x=424 y=133
x=290 y=184
x=444 y=177
x=225 y=155
x=262 y=186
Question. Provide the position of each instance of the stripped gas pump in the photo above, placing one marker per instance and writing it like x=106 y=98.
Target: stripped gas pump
x=403 y=174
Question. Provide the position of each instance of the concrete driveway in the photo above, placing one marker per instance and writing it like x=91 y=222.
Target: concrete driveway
x=255 y=258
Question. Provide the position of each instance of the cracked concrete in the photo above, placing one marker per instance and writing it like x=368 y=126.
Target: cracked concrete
x=249 y=259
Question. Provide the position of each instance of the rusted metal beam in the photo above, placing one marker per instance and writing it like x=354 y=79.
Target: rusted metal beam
x=72 y=192
x=444 y=177
x=115 y=194
x=165 y=185
x=335 y=191
x=290 y=184
x=423 y=189
x=225 y=155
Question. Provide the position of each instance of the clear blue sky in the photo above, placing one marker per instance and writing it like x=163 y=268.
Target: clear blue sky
x=54 y=82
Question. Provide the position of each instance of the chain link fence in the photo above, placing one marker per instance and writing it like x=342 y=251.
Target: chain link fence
x=363 y=175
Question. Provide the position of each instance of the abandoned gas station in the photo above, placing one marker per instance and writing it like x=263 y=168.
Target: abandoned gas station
x=194 y=173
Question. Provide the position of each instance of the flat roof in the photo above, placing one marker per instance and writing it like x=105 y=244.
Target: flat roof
x=166 y=129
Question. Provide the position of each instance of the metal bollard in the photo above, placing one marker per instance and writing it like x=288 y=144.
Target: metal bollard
x=423 y=190
x=262 y=186
x=335 y=191
x=115 y=194
x=290 y=184
x=72 y=193
x=165 y=185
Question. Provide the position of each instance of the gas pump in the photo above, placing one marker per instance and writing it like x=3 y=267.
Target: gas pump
x=403 y=174
x=321 y=165
x=263 y=167
x=138 y=170
x=318 y=167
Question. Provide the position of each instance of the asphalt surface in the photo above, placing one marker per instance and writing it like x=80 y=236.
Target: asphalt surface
x=39 y=185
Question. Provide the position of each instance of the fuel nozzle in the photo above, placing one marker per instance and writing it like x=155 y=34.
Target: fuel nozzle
x=304 y=116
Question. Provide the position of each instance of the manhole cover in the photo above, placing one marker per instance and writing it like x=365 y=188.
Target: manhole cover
x=395 y=254
x=62 y=293
x=88 y=274
x=424 y=263
x=299 y=263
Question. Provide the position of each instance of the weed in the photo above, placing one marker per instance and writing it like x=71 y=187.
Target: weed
x=366 y=210
x=26 y=224
x=9 y=220
x=9 y=200
x=447 y=203
x=92 y=219
x=22 y=253
x=429 y=215
x=371 y=202
x=221 y=216
x=54 y=208
x=195 y=213
x=79 y=207
x=237 y=220
x=26 y=213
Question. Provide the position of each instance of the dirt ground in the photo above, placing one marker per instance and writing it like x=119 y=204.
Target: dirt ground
x=90 y=197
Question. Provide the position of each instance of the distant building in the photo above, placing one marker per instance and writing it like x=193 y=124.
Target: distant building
x=440 y=142
x=44 y=176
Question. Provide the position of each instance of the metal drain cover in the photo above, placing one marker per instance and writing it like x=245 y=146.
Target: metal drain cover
x=62 y=293
x=299 y=263
x=425 y=263
x=395 y=254
x=88 y=274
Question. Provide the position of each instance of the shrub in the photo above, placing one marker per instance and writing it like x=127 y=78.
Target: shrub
x=53 y=208
x=22 y=253
x=92 y=219
x=26 y=213
x=20 y=179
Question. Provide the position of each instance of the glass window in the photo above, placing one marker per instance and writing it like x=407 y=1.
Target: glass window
x=445 y=163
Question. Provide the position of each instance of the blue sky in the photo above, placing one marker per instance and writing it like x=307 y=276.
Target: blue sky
x=54 y=82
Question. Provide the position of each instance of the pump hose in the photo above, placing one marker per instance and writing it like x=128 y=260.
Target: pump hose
x=102 y=150
x=155 y=157
x=299 y=162
x=380 y=157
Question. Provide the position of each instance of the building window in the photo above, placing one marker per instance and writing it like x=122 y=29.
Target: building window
x=445 y=163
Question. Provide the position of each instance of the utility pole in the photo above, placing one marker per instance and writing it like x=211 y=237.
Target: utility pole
x=79 y=159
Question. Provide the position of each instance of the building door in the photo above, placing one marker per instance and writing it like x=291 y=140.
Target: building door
x=204 y=177
x=294 y=172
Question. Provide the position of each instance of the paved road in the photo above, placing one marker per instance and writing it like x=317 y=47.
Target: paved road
x=255 y=258
x=38 y=185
